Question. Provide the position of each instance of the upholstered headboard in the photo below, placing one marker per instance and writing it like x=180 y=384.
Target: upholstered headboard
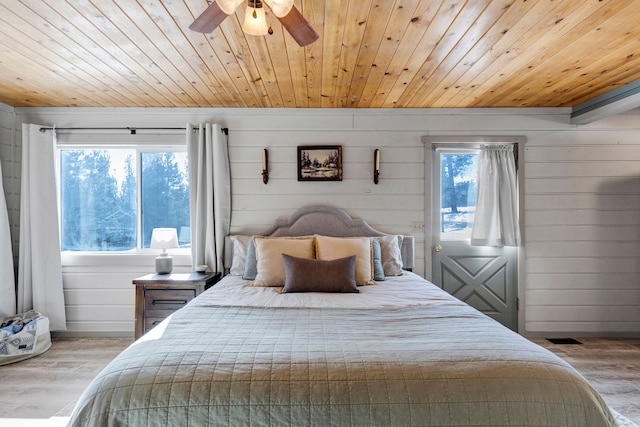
x=327 y=221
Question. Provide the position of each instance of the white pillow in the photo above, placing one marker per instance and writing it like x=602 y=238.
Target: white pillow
x=391 y=254
x=330 y=248
x=269 y=250
x=239 y=254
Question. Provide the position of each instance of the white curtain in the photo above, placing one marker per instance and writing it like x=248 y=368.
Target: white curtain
x=496 y=221
x=7 y=278
x=210 y=193
x=39 y=265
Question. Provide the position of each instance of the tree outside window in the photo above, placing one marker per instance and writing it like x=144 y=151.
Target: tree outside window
x=99 y=198
x=458 y=194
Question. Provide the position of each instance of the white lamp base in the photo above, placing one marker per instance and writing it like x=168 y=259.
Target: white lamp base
x=164 y=264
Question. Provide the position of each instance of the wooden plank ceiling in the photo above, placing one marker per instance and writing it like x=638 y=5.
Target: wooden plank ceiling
x=370 y=54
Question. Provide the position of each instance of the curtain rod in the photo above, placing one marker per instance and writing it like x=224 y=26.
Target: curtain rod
x=128 y=128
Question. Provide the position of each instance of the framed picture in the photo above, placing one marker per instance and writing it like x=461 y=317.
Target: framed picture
x=319 y=163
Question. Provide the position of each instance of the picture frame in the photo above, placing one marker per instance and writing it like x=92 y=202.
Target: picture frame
x=320 y=163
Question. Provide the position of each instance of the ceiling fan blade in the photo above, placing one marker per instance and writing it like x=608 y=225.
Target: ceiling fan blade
x=209 y=19
x=298 y=27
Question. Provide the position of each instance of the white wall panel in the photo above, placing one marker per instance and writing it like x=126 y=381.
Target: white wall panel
x=602 y=202
x=122 y=297
x=595 y=168
x=10 y=171
x=582 y=297
x=572 y=185
x=100 y=318
x=582 y=222
x=564 y=248
x=586 y=281
x=581 y=199
x=583 y=217
x=362 y=202
x=582 y=153
x=594 y=234
x=596 y=265
x=95 y=279
x=596 y=313
x=101 y=299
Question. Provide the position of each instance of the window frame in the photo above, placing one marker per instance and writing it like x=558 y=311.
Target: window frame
x=141 y=143
x=450 y=149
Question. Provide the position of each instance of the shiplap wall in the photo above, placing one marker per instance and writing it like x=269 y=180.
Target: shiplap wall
x=582 y=201
x=582 y=205
x=10 y=157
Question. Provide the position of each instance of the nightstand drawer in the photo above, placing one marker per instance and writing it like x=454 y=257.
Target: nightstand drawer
x=163 y=302
x=152 y=322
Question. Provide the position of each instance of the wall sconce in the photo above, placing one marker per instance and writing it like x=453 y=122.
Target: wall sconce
x=265 y=165
x=376 y=165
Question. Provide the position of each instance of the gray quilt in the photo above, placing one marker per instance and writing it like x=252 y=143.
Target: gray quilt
x=441 y=365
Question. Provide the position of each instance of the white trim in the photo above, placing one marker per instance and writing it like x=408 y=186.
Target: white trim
x=614 y=102
x=140 y=143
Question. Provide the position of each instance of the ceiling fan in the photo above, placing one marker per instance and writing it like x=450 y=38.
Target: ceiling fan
x=254 y=20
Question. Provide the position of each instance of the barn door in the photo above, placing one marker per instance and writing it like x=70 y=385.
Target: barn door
x=483 y=277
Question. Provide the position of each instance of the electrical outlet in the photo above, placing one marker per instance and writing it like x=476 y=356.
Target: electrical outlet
x=417 y=225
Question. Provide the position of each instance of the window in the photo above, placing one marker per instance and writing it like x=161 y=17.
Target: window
x=112 y=198
x=458 y=193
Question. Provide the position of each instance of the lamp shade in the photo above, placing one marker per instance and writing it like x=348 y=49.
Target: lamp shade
x=164 y=238
x=228 y=6
x=255 y=21
x=280 y=8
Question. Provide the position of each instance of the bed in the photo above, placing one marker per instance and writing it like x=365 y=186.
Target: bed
x=397 y=350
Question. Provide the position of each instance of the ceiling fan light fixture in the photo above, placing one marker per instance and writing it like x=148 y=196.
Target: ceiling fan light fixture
x=229 y=6
x=255 y=20
x=280 y=8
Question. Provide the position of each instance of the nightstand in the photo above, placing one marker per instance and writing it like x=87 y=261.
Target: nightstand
x=159 y=295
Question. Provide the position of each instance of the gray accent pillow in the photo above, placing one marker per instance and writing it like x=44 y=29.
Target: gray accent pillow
x=378 y=269
x=239 y=259
x=314 y=275
x=390 y=246
x=251 y=263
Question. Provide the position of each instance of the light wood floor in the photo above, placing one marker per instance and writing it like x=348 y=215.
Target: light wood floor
x=611 y=366
x=48 y=385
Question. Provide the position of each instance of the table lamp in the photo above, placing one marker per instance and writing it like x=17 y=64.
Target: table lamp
x=164 y=238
